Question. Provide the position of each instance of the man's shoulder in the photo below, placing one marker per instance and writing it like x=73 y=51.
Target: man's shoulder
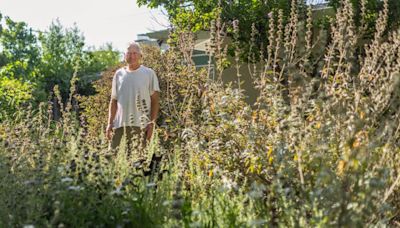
x=147 y=69
x=120 y=71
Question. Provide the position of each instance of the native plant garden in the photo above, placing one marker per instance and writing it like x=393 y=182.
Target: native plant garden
x=318 y=148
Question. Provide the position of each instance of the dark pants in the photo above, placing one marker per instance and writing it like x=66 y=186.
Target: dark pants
x=130 y=133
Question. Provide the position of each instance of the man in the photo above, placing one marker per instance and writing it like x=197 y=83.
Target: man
x=134 y=90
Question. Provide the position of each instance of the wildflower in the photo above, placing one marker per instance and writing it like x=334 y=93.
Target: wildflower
x=224 y=100
x=151 y=185
x=166 y=203
x=118 y=182
x=228 y=184
x=29 y=226
x=60 y=169
x=270 y=155
x=30 y=182
x=356 y=143
x=66 y=179
x=341 y=166
x=195 y=213
x=187 y=133
x=76 y=188
x=256 y=222
x=257 y=190
x=195 y=224
x=117 y=191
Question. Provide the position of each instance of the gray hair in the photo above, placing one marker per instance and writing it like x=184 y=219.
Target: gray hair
x=135 y=45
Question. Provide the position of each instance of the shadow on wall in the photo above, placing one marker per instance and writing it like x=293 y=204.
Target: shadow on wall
x=247 y=75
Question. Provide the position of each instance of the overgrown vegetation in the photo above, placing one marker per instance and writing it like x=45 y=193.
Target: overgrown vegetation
x=320 y=147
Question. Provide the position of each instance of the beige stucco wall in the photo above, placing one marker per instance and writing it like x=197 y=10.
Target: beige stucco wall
x=230 y=75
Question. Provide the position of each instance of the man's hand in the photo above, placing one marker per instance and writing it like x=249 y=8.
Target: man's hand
x=109 y=132
x=112 y=110
x=149 y=131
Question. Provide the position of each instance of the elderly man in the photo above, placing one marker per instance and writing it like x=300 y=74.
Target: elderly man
x=134 y=103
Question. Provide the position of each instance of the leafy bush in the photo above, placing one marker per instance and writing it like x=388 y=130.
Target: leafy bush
x=13 y=92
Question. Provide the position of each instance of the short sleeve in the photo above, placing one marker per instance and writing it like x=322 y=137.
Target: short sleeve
x=114 y=87
x=154 y=86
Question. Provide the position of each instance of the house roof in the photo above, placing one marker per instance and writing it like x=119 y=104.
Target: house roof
x=202 y=37
x=159 y=35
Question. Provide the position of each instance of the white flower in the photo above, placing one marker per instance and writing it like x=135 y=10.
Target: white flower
x=257 y=222
x=29 y=226
x=166 y=203
x=187 y=133
x=224 y=100
x=195 y=224
x=116 y=191
x=257 y=190
x=66 y=179
x=228 y=184
x=75 y=188
x=126 y=211
x=60 y=169
x=30 y=182
x=150 y=185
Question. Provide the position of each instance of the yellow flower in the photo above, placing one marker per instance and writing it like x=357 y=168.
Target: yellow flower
x=118 y=182
x=254 y=116
x=356 y=143
x=362 y=115
x=269 y=155
x=341 y=166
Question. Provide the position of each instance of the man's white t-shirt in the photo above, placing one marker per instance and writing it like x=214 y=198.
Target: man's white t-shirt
x=132 y=90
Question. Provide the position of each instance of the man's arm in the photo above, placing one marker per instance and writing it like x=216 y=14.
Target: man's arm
x=112 y=110
x=155 y=108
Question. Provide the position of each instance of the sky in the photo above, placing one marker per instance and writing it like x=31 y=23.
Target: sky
x=101 y=21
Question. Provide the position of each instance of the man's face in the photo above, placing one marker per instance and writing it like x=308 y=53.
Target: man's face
x=132 y=55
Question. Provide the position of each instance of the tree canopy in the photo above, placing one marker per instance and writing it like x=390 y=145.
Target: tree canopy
x=33 y=62
x=194 y=15
x=197 y=15
x=372 y=8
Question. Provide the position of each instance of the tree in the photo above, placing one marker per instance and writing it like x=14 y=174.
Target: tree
x=19 y=57
x=197 y=15
x=95 y=62
x=2 y=57
x=372 y=8
x=62 y=55
x=19 y=43
x=102 y=58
